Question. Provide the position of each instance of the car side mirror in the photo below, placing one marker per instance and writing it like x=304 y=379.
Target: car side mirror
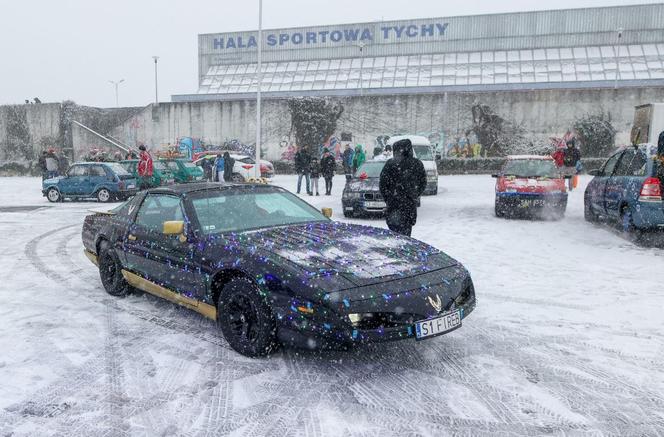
x=327 y=212
x=495 y=175
x=175 y=227
x=595 y=172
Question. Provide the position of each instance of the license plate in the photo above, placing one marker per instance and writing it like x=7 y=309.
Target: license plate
x=526 y=203
x=439 y=325
x=131 y=186
x=375 y=205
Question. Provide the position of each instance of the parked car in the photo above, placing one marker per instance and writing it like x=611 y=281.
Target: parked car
x=104 y=181
x=269 y=268
x=530 y=185
x=361 y=195
x=183 y=170
x=626 y=191
x=243 y=169
x=161 y=174
x=423 y=151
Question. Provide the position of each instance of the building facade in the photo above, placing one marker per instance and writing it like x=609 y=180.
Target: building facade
x=537 y=70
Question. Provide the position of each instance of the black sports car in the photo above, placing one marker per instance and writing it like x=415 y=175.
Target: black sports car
x=269 y=267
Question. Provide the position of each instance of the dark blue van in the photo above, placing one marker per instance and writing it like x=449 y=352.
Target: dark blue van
x=104 y=181
x=627 y=191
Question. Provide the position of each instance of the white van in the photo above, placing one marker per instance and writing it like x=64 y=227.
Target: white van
x=424 y=152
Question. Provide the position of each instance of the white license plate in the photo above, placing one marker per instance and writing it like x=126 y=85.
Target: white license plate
x=375 y=205
x=131 y=187
x=526 y=203
x=439 y=325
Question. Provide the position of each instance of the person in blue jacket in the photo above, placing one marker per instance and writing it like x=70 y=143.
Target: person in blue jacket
x=219 y=168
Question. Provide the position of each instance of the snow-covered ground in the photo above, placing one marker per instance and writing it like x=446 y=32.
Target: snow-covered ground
x=567 y=338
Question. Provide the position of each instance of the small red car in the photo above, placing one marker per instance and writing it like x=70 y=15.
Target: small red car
x=530 y=185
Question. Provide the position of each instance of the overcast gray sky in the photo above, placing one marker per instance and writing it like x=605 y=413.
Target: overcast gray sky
x=70 y=49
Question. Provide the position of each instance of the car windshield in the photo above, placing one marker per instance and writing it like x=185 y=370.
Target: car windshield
x=159 y=165
x=423 y=153
x=371 y=169
x=240 y=210
x=188 y=164
x=531 y=168
x=172 y=165
x=118 y=169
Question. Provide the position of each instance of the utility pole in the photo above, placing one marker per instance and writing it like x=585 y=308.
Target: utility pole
x=116 y=83
x=620 y=32
x=156 y=88
x=259 y=80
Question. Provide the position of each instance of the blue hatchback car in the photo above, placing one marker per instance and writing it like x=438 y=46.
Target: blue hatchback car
x=104 y=181
x=627 y=191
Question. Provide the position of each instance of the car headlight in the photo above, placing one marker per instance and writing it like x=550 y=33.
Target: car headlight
x=432 y=173
x=350 y=195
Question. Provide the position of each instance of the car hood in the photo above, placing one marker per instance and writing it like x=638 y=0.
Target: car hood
x=53 y=181
x=369 y=184
x=363 y=255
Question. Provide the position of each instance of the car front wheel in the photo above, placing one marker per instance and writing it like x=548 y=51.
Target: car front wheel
x=103 y=195
x=110 y=271
x=53 y=195
x=245 y=319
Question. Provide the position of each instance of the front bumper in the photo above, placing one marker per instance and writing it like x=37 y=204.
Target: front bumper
x=393 y=314
x=432 y=187
x=364 y=207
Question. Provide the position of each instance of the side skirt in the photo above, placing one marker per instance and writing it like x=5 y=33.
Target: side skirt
x=157 y=290
x=92 y=257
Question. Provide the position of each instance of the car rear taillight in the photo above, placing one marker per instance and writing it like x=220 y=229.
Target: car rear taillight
x=651 y=191
x=247 y=166
x=500 y=185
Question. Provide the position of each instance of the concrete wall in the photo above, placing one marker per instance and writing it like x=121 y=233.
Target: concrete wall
x=543 y=113
x=27 y=129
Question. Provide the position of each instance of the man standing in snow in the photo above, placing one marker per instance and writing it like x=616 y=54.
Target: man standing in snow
x=347 y=160
x=327 y=167
x=571 y=158
x=302 y=163
x=51 y=164
x=402 y=182
x=145 y=167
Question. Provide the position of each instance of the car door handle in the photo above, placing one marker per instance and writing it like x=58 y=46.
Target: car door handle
x=131 y=237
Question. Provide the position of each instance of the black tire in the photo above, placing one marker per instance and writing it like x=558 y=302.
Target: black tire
x=237 y=178
x=53 y=195
x=630 y=231
x=498 y=210
x=110 y=271
x=103 y=195
x=245 y=319
x=349 y=214
x=434 y=192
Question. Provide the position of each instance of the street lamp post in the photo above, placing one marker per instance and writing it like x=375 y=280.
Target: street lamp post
x=619 y=32
x=156 y=88
x=259 y=80
x=116 y=83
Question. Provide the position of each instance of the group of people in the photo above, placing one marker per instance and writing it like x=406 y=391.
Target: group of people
x=311 y=169
x=221 y=169
x=568 y=160
x=51 y=164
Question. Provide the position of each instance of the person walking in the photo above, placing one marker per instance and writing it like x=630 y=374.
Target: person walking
x=358 y=158
x=402 y=181
x=206 y=164
x=145 y=167
x=302 y=163
x=229 y=163
x=51 y=164
x=327 y=167
x=347 y=161
x=63 y=164
x=571 y=161
x=41 y=164
x=219 y=168
x=314 y=169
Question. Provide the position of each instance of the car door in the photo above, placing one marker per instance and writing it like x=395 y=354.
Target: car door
x=167 y=260
x=73 y=183
x=617 y=183
x=96 y=177
x=597 y=186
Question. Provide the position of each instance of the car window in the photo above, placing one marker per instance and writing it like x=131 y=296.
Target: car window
x=622 y=169
x=372 y=169
x=639 y=164
x=610 y=165
x=423 y=153
x=157 y=209
x=77 y=170
x=531 y=168
x=117 y=169
x=96 y=170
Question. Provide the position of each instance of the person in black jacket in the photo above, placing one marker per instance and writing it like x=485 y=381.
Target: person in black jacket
x=302 y=162
x=402 y=182
x=228 y=167
x=327 y=167
x=571 y=157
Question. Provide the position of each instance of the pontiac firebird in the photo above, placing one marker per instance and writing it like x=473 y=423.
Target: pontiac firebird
x=271 y=269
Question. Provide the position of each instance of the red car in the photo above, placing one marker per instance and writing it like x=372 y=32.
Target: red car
x=530 y=185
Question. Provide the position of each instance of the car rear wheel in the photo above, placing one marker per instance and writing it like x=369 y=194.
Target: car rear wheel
x=103 y=195
x=237 y=178
x=349 y=214
x=627 y=225
x=110 y=271
x=499 y=211
x=53 y=195
x=245 y=319
x=588 y=213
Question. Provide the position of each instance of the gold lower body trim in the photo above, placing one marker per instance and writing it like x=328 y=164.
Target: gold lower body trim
x=92 y=257
x=157 y=290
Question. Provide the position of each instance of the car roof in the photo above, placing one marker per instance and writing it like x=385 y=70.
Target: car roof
x=518 y=157
x=417 y=140
x=94 y=163
x=179 y=189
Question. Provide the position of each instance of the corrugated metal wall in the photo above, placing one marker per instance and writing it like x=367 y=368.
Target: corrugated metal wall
x=559 y=28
